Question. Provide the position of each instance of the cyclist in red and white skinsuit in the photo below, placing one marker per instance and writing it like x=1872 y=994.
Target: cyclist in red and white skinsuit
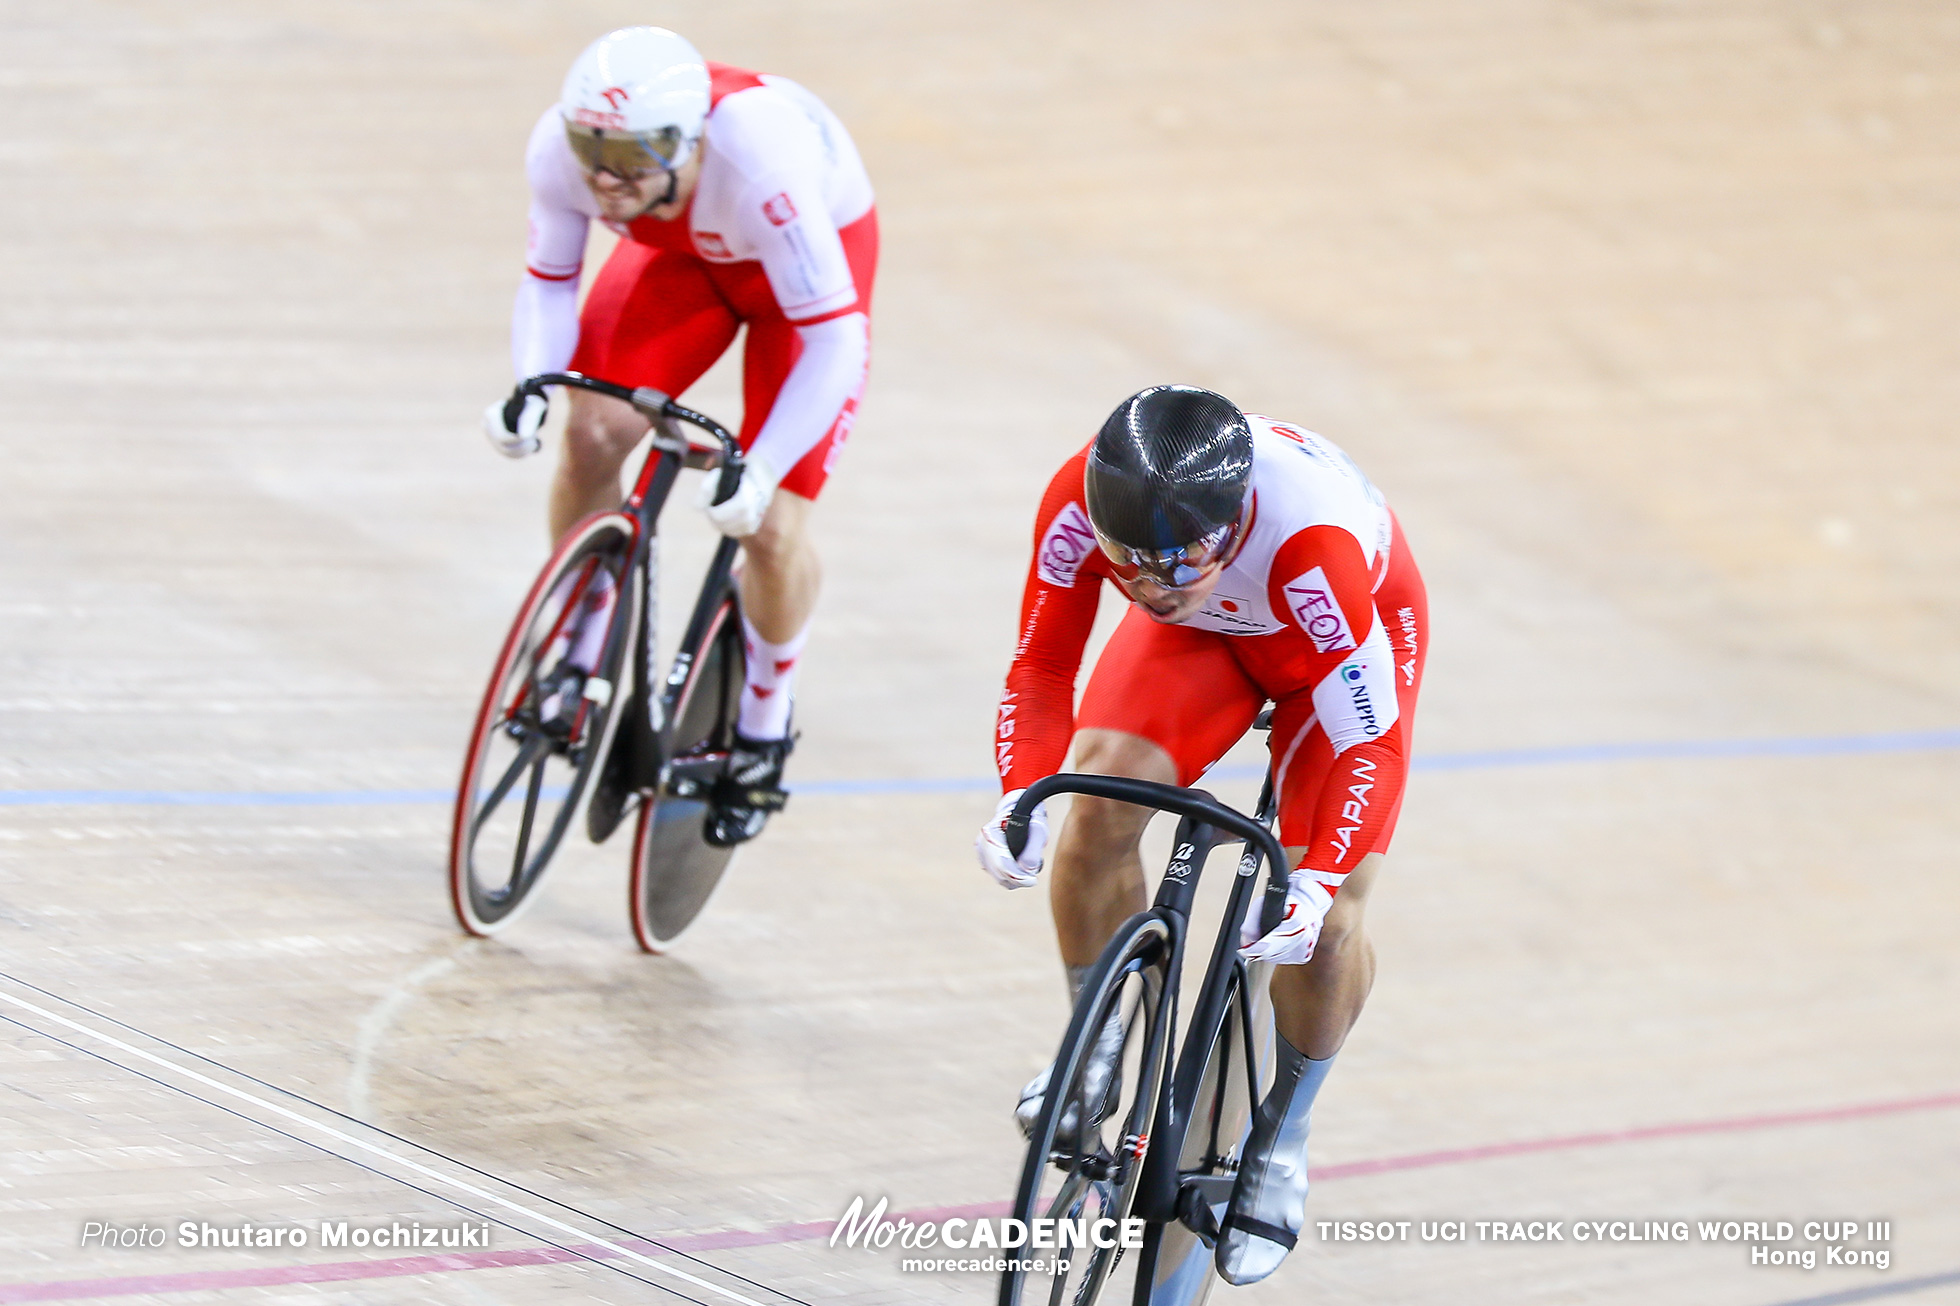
x=740 y=201
x=1306 y=595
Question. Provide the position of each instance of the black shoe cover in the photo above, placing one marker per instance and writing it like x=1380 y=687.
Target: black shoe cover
x=749 y=791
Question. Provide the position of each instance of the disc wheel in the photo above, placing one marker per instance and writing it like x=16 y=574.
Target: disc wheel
x=675 y=869
x=542 y=726
x=1228 y=1082
x=1085 y=1159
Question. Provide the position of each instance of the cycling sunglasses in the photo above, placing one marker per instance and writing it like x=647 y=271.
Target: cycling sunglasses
x=1171 y=569
x=630 y=156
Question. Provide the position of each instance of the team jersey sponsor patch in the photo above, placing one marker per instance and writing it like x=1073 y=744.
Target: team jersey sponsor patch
x=1068 y=541
x=778 y=209
x=1354 y=681
x=1233 y=614
x=1311 y=600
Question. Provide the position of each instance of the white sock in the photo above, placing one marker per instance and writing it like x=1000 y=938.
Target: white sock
x=587 y=628
x=771 y=675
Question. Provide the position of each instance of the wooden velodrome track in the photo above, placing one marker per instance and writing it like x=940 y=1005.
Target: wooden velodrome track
x=1641 y=313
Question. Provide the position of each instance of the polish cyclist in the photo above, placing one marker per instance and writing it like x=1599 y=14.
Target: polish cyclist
x=1260 y=564
x=740 y=201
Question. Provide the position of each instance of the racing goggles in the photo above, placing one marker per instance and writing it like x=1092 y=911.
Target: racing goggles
x=1172 y=569
x=630 y=156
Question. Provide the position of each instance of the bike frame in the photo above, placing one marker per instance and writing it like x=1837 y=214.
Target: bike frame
x=648 y=712
x=1158 y=1195
x=1204 y=824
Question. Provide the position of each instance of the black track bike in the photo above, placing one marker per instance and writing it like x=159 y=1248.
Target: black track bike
x=559 y=735
x=1162 y=1143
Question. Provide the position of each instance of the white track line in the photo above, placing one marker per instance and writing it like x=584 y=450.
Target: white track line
x=375 y=1024
x=365 y=1146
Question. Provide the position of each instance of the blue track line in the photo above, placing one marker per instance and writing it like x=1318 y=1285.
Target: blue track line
x=1658 y=750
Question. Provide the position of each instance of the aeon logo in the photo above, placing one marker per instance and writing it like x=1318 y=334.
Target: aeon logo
x=1069 y=539
x=1311 y=599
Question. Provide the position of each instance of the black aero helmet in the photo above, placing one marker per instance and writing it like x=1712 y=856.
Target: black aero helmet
x=1166 y=482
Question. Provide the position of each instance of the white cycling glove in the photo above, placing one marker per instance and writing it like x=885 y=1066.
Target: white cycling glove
x=1009 y=871
x=1292 y=943
x=524 y=441
x=742 y=515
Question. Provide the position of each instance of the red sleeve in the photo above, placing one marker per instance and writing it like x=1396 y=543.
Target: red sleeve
x=1324 y=585
x=1058 y=609
x=1321 y=583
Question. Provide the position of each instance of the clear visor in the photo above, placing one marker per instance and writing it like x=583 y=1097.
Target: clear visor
x=1171 y=569
x=627 y=155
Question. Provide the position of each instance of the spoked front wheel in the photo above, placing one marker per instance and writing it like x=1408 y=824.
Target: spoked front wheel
x=1086 y=1155
x=547 y=717
x=675 y=869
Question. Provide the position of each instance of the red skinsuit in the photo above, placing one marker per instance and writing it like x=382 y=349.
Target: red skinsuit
x=779 y=236
x=1322 y=611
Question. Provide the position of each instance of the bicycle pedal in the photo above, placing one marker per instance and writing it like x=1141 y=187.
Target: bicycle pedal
x=1197 y=1196
x=728 y=794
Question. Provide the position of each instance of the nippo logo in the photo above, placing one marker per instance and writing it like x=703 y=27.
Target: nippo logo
x=1068 y=541
x=1311 y=600
x=778 y=209
x=615 y=96
x=1355 y=676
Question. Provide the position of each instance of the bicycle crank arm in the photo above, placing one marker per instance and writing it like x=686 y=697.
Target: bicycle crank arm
x=1198 y=1200
x=694 y=776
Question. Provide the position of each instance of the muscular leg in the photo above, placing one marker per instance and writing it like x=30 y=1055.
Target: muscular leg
x=1317 y=1004
x=600 y=432
x=781 y=573
x=1096 y=871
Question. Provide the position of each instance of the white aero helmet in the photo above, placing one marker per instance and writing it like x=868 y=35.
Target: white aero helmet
x=635 y=101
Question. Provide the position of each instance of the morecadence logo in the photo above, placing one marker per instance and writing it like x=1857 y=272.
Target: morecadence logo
x=871 y=1230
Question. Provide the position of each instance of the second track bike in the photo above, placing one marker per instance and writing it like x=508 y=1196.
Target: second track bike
x=579 y=720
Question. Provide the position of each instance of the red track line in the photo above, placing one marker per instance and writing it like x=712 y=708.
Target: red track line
x=400 y=1267
x=272 y=1276
x=1734 y=1125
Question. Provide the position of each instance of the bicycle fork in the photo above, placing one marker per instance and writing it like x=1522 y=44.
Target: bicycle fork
x=1175 y=1188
